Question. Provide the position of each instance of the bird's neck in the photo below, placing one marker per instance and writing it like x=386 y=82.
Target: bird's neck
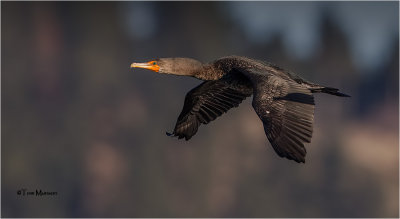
x=192 y=67
x=208 y=73
x=204 y=72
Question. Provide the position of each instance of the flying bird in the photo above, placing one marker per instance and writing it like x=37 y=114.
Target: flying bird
x=282 y=100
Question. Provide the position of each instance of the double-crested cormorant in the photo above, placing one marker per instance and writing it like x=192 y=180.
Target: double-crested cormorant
x=282 y=100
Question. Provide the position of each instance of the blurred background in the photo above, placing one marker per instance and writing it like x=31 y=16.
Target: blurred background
x=78 y=121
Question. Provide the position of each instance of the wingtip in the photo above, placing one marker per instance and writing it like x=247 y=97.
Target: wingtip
x=297 y=159
x=342 y=95
x=174 y=135
x=301 y=160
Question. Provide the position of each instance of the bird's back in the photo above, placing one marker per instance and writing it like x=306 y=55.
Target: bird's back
x=255 y=68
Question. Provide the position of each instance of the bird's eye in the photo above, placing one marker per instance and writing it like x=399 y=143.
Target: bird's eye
x=154 y=63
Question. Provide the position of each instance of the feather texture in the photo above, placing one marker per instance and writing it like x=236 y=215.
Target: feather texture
x=210 y=100
x=287 y=112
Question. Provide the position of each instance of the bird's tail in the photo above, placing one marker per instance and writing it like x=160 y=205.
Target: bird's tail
x=328 y=90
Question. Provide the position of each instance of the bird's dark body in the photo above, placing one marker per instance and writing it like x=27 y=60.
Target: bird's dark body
x=282 y=100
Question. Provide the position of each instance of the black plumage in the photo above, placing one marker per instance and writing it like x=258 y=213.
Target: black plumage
x=282 y=100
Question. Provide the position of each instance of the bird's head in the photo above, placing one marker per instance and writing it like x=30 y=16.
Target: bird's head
x=151 y=65
x=175 y=66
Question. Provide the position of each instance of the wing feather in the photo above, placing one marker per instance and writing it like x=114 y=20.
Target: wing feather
x=210 y=100
x=287 y=112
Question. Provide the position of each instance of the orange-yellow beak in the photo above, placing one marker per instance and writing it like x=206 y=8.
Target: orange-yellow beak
x=152 y=65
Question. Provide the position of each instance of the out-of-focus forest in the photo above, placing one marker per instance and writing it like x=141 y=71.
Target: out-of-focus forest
x=76 y=120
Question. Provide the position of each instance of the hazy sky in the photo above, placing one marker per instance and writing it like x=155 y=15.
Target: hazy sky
x=371 y=28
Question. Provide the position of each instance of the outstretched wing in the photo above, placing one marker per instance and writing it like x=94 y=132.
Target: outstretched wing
x=286 y=109
x=209 y=100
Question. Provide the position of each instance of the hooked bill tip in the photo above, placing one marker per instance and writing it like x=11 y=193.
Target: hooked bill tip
x=135 y=65
x=146 y=65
